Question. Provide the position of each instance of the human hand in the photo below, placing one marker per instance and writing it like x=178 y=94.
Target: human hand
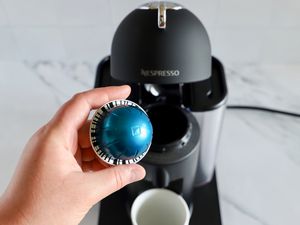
x=59 y=178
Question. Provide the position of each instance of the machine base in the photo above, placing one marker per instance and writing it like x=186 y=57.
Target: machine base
x=206 y=210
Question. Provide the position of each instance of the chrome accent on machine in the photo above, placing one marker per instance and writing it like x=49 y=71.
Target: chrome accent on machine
x=161 y=8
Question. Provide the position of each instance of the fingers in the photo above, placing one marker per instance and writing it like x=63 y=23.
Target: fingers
x=92 y=166
x=83 y=136
x=73 y=114
x=104 y=182
x=78 y=156
x=88 y=155
x=91 y=162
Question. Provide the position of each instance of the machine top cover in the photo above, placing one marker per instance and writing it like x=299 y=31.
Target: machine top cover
x=162 y=43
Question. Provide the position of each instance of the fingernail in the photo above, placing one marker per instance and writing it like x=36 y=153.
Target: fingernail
x=137 y=173
x=128 y=87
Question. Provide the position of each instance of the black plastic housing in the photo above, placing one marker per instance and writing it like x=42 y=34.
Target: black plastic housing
x=180 y=168
x=183 y=89
x=189 y=174
x=143 y=53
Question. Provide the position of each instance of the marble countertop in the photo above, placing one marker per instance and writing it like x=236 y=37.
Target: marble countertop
x=258 y=166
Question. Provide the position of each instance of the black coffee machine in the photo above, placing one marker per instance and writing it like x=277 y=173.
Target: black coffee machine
x=163 y=52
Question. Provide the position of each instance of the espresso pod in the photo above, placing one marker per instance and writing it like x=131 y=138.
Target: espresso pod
x=120 y=132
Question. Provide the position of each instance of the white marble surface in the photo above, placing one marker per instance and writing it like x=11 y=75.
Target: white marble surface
x=258 y=166
x=259 y=162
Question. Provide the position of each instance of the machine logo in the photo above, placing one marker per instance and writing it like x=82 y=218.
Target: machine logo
x=160 y=73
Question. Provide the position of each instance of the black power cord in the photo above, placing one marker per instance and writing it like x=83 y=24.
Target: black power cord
x=246 y=107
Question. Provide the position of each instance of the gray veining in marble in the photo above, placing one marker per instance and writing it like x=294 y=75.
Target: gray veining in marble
x=258 y=166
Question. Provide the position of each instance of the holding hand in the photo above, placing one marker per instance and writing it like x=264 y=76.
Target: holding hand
x=59 y=177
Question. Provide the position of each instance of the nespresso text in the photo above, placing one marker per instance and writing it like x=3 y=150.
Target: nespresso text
x=160 y=73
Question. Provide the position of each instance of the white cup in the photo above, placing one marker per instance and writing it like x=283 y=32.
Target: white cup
x=159 y=207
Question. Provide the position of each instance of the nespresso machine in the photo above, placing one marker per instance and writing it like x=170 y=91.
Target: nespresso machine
x=163 y=52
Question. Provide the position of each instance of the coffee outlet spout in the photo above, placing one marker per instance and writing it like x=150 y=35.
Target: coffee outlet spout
x=162 y=50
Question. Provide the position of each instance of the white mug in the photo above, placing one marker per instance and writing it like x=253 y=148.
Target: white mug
x=159 y=207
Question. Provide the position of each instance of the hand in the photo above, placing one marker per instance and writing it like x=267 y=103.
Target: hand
x=59 y=178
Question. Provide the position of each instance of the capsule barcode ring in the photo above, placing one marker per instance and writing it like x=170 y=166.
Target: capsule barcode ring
x=120 y=132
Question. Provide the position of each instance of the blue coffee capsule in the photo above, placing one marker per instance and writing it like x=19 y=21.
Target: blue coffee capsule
x=121 y=132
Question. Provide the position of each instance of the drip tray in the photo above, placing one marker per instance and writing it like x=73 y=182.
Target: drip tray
x=206 y=209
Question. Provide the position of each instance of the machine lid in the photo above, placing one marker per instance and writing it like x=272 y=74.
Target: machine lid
x=162 y=43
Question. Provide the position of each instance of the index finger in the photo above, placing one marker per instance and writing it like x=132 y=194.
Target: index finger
x=72 y=115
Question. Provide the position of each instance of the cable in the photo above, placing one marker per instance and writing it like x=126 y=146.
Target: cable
x=246 y=107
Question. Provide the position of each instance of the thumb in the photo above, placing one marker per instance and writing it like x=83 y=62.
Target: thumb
x=102 y=183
